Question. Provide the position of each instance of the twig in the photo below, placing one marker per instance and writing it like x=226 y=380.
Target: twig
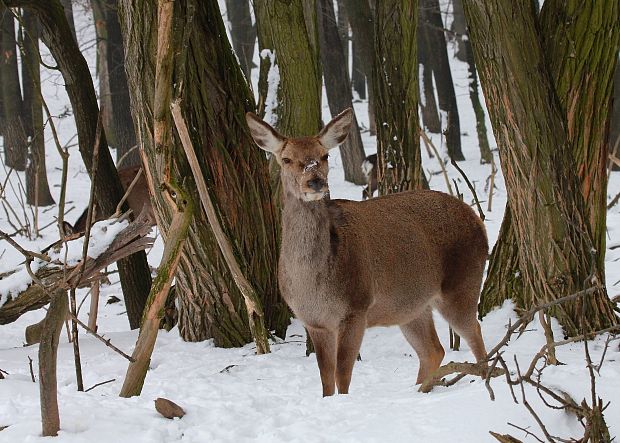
x=31 y=370
x=471 y=188
x=107 y=342
x=119 y=207
x=100 y=384
x=429 y=143
x=76 y=343
x=24 y=252
x=527 y=433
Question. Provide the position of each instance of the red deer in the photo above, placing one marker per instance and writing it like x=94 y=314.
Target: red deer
x=345 y=266
x=137 y=198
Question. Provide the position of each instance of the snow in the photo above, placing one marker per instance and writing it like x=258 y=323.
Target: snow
x=235 y=395
x=273 y=82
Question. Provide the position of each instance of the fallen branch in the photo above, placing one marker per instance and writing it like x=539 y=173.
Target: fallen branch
x=53 y=278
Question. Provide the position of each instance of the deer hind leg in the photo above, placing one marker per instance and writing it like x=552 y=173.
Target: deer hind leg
x=422 y=336
x=461 y=311
x=350 y=336
x=324 y=341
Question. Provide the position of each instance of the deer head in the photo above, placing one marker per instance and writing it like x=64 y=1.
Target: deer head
x=303 y=161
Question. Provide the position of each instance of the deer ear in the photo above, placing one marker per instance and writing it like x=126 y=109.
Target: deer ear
x=264 y=135
x=337 y=130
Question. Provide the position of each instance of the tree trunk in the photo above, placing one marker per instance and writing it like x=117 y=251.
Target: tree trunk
x=343 y=31
x=215 y=97
x=614 y=130
x=105 y=98
x=428 y=105
x=243 y=33
x=548 y=211
x=48 y=353
x=396 y=92
x=55 y=33
x=582 y=54
x=338 y=88
x=358 y=78
x=119 y=91
x=437 y=55
x=68 y=8
x=363 y=31
x=37 y=187
x=289 y=30
x=15 y=142
x=486 y=156
x=459 y=28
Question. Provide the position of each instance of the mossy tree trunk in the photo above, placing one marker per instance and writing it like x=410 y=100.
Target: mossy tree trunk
x=289 y=30
x=215 y=97
x=614 y=129
x=37 y=187
x=549 y=214
x=396 y=97
x=15 y=142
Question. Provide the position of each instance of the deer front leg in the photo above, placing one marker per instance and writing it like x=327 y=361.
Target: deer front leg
x=350 y=336
x=324 y=341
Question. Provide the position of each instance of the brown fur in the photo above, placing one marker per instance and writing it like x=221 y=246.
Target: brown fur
x=345 y=266
x=137 y=198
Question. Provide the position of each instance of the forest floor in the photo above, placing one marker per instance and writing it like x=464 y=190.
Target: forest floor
x=235 y=395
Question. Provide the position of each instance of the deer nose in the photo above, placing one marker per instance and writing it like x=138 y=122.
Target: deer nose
x=316 y=184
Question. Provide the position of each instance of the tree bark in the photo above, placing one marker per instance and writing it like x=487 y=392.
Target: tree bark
x=581 y=43
x=614 y=131
x=134 y=271
x=48 y=353
x=342 y=19
x=290 y=31
x=243 y=33
x=204 y=72
x=68 y=8
x=338 y=88
x=547 y=207
x=37 y=187
x=15 y=142
x=396 y=92
x=119 y=90
x=437 y=55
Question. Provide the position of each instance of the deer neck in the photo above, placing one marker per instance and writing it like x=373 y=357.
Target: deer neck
x=305 y=231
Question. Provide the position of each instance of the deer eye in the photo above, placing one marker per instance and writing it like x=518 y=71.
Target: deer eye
x=286 y=161
x=325 y=157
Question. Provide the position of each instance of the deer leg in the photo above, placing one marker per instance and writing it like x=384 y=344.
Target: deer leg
x=465 y=323
x=324 y=341
x=350 y=336
x=422 y=336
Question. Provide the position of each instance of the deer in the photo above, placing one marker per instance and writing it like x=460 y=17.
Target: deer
x=345 y=266
x=137 y=199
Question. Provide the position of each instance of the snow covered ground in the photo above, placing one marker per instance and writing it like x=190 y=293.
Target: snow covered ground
x=234 y=395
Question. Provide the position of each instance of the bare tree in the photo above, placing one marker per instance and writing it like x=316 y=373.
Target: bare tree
x=242 y=32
